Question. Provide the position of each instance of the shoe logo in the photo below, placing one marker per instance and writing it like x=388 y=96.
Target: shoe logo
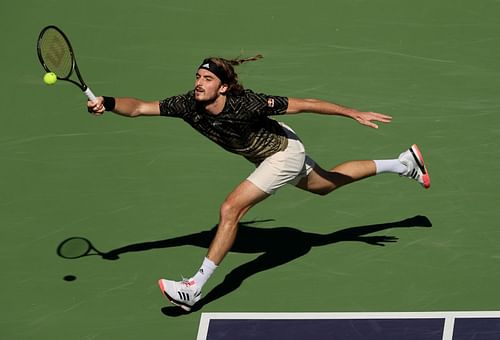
x=183 y=296
x=414 y=174
x=201 y=271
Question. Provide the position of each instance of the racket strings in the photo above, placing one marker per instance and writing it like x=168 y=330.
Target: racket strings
x=56 y=53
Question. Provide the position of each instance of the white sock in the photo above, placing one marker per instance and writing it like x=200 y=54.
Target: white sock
x=206 y=270
x=390 y=165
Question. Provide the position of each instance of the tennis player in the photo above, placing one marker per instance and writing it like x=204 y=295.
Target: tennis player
x=239 y=121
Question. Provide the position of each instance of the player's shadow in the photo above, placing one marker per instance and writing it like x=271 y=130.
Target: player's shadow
x=277 y=246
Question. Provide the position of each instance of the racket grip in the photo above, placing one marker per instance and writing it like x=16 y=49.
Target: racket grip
x=89 y=94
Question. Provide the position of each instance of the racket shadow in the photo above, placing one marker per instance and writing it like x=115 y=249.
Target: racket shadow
x=77 y=247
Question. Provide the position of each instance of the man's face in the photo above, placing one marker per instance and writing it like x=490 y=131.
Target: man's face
x=207 y=86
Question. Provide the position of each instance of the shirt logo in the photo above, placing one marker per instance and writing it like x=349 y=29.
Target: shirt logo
x=270 y=102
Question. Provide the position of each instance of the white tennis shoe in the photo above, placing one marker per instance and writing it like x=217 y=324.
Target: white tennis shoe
x=181 y=293
x=415 y=164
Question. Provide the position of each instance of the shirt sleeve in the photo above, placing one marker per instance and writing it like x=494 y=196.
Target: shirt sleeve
x=271 y=105
x=177 y=106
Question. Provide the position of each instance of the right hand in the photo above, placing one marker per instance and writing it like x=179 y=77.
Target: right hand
x=96 y=107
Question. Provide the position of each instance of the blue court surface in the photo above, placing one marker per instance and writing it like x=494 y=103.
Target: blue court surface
x=351 y=326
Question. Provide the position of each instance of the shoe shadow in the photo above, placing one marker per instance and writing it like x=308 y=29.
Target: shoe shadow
x=276 y=246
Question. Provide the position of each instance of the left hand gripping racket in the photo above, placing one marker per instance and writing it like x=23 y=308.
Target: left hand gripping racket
x=56 y=55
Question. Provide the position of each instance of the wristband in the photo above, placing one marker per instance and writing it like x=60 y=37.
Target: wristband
x=109 y=103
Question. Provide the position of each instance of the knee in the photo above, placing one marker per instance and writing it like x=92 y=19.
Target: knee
x=229 y=210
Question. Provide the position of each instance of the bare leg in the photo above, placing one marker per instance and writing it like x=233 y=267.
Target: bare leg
x=187 y=292
x=237 y=203
x=322 y=182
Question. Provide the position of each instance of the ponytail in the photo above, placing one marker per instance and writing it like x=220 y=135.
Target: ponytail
x=230 y=76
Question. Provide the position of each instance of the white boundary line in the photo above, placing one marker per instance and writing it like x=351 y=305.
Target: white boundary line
x=449 y=324
x=449 y=318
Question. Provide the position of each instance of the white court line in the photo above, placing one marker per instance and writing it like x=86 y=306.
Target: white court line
x=449 y=318
x=449 y=323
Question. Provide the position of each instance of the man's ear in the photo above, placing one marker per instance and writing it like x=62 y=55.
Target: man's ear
x=223 y=89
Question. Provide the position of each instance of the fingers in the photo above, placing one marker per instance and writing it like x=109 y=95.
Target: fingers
x=385 y=119
x=368 y=118
x=380 y=117
x=96 y=107
x=370 y=124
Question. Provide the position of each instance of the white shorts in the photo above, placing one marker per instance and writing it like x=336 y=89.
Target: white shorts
x=284 y=167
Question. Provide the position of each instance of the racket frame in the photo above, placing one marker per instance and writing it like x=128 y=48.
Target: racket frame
x=74 y=66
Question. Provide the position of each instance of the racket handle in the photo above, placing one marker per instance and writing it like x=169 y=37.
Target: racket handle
x=89 y=94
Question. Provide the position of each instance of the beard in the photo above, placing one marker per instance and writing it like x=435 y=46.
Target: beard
x=203 y=97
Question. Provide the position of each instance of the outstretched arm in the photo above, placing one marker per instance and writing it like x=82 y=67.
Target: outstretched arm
x=129 y=107
x=296 y=105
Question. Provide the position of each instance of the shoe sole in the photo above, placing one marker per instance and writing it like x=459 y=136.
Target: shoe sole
x=417 y=155
x=172 y=300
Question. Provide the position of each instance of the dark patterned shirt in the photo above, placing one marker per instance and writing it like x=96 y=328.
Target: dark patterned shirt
x=243 y=127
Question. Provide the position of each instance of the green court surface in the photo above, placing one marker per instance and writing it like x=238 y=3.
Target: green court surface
x=146 y=183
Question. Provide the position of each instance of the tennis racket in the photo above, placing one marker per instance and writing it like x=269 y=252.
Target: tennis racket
x=56 y=55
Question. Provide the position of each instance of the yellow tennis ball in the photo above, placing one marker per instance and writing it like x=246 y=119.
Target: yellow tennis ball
x=50 y=78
